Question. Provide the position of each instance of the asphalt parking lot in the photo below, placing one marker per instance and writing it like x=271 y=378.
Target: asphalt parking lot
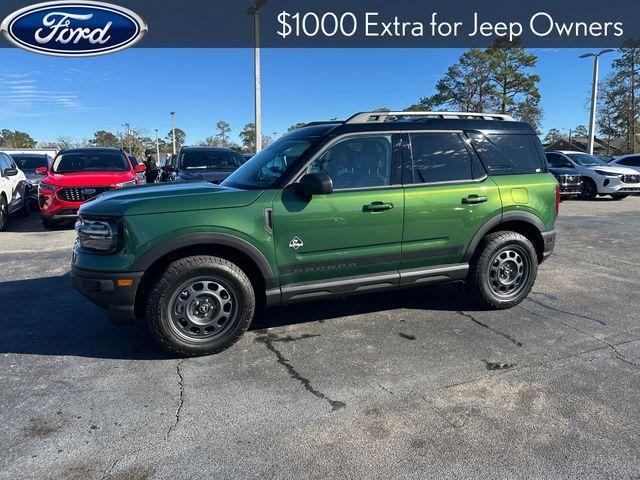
x=412 y=384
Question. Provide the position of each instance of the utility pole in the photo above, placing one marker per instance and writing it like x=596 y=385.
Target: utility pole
x=173 y=131
x=157 y=147
x=126 y=137
x=255 y=11
x=594 y=94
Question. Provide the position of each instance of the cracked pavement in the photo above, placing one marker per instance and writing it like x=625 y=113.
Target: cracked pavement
x=409 y=384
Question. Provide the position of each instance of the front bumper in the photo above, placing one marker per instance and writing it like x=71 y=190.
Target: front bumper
x=103 y=290
x=608 y=185
x=549 y=240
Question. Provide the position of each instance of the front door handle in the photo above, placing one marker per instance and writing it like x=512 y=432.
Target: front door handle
x=474 y=199
x=377 y=207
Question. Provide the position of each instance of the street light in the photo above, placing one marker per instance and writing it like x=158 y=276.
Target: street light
x=255 y=11
x=173 y=132
x=594 y=94
x=157 y=147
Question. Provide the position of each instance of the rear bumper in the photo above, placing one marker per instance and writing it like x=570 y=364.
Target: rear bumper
x=549 y=240
x=102 y=289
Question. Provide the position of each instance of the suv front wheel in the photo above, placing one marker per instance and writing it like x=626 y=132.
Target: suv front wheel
x=200 y=305
x=502 y=275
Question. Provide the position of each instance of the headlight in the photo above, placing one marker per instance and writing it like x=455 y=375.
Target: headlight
x=130 y=183
x=100 y=236
x=46 y=186
x=608 y=174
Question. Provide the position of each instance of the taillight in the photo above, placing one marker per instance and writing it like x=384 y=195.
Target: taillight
x=557 y=199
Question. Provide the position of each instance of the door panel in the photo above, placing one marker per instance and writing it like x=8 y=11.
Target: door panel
x=441 y=220
x=342 y=234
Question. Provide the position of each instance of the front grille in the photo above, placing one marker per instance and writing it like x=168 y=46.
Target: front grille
x=630 y=178
x=80 y=194
x=569 y=179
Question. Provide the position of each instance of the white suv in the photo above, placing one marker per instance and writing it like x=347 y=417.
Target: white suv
x=599 y=177
x=14 y=190
x=627 y=161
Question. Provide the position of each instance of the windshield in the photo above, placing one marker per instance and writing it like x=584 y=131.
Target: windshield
x=29 y=163
x=210 y=160
x=585 y=159
x=105 y=161
x=265 y=168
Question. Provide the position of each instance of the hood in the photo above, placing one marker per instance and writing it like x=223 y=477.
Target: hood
x=215 y=176
x=88 y=179
x=33 y=177
x=614 y=169
x=168 y=197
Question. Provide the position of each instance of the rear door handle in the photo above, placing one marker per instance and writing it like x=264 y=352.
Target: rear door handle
x=473 y=199
x=377 y=207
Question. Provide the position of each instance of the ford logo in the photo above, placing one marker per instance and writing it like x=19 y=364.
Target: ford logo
x=88 y=191
x=73 y=29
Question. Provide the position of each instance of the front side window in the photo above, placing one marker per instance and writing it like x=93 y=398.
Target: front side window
x=439 y=157
x=357 y=162
x=90 y=161
x=555 y=160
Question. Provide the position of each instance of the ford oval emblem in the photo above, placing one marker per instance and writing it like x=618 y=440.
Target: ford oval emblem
x=73 y=29
x=88 y=191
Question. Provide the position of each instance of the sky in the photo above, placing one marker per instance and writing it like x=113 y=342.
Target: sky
x=49 y=97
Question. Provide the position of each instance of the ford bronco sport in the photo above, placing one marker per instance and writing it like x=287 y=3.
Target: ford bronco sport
x=380 y=201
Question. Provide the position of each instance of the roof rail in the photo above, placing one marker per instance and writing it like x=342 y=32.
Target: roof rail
x=377 y=117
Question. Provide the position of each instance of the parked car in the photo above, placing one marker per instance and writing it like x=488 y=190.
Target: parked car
x=570 y=182
x=211 y=164
x=327 y=210
x=14 y=191
x=29 y=163
x=78 y=175
x=628 y=161
x=142 y=178
x=599 y=177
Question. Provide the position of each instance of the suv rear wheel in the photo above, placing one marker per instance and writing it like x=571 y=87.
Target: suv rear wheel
x=200 y=305
x=502 y=275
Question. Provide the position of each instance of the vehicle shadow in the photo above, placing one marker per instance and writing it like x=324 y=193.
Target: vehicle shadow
x=45 y=316
x=33 y=223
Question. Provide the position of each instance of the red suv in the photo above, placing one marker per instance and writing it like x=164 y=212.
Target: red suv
x=78 y=175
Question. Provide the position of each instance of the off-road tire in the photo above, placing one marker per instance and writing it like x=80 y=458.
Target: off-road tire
x=166 y=286
x=479 y=279
x=589 y=190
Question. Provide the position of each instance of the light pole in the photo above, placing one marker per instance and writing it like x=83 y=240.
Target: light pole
x=255 y=11
x=594 y=94
x=126 y=137
x=173 y=131
x=157 y=147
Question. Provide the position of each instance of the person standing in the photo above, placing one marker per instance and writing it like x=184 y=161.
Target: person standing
x=151 y=172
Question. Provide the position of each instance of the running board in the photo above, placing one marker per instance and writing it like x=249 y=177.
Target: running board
x=372 y=283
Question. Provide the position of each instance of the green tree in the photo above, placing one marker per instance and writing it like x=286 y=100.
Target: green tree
x=466 y=86
x=224 y=129
x=16 y=139
x=607 y=111
x=180 y=138
x=580 y=131
x=552 y=135
x=626 y=88
x=248 y=137
x=103 y=138
x=296 y=126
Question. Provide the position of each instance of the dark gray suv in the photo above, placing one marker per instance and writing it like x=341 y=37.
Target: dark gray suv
x=211 y=164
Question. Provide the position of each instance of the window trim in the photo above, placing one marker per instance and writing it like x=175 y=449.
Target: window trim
x=298 y=175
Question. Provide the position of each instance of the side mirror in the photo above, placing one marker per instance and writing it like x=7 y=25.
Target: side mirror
x=41 y=170
x=10 y=172
x=316 y=183
x=140 y=169
x=168 y=168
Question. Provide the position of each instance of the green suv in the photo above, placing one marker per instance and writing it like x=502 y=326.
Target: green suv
x=383 y=200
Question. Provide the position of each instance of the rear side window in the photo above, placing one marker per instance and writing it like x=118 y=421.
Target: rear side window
x=504 y=154
x=439 y=157
x=630 y=162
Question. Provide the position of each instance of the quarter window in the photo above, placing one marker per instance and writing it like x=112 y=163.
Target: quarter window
x=439 y=157
x=357 y=162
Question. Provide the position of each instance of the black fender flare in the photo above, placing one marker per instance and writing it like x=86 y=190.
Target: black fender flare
x=497 y=220
x=208 y=238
